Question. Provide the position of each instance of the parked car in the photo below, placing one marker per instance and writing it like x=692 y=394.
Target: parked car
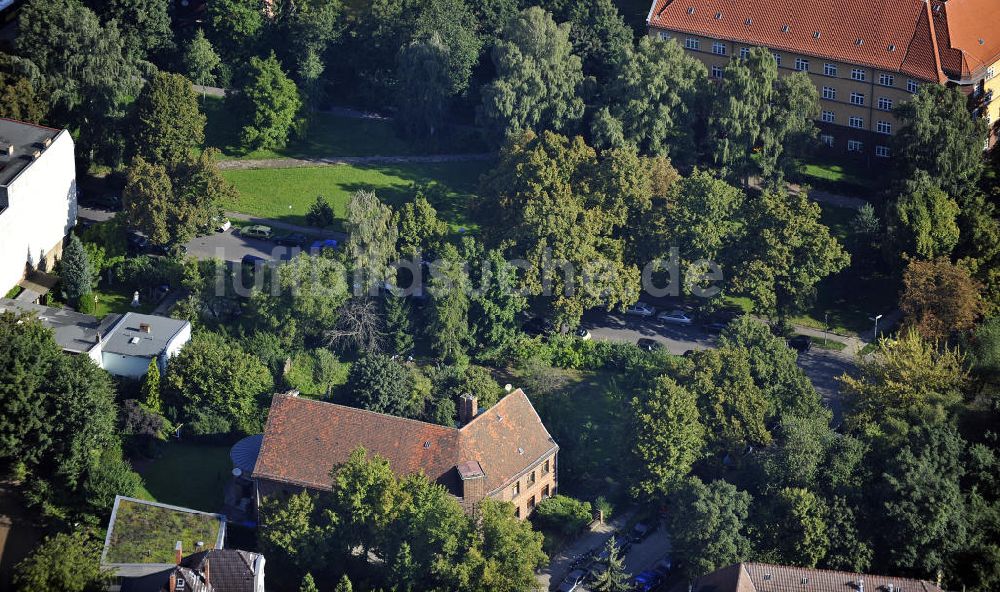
x=648 y=344
x=640 y=309
x=583 y=334
x=539 y=326
x=256 y=231
x=640 y=531
x=800 y=343
x=291 y=239
x=222 y=226
x=675 y=317
x=719 y=320
x=106 y=201
x=322 y=245
x=572 y=581
x=646 y=581
x=252 y=260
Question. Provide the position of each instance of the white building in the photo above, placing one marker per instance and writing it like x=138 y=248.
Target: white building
x=37 y=197
x=124 y=345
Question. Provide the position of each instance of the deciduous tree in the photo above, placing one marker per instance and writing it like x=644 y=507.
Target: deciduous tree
x=537 y=78
x=201 y=63
x=379 y=383
x=669 y=436
x=168 y=124
x=939 y=298
x=267 y=104
x=68 y=562
x=371 y=239
x=923 y=219
x=711 y=532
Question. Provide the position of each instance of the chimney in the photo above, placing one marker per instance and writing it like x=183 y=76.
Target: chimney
x=7 y=149
x=47 y=142
x=468 y=408
x=178 y=553
x=173 y=582
x=144 y=328
x=208 y=574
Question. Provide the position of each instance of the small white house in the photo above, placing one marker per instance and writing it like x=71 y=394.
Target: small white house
x=37 y=197
x=122 y=345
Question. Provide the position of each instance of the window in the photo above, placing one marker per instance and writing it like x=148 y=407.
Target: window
x=854 y=146
x=826 y=139
x=857 y=98
x=545 y=492
x=545 y=468
x=886 y=79
x=990 y=72
x=883 y=127
x=531 y=479
x=801 y=65
x=716 y=71
x=777 y=58
x=884 y=104
x=829 y=116
x=719 y=48
x=858 y=122
x=882 y=151
x=911 y=86
x=517 y=512
x=858 y=74
x=830 y=69
x=664 y=35
x=531 y=503
x=691 y=43
x=829 y=93
x=516 y=490
x=744 y=53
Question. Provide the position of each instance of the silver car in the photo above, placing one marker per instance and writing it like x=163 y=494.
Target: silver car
x=675 y=317
x=640 y=309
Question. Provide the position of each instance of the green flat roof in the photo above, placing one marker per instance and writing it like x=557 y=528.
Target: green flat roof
x=142 y=532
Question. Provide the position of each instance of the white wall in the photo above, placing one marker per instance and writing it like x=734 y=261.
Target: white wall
x=41 y=211
x=123 y=365
x=174 y=345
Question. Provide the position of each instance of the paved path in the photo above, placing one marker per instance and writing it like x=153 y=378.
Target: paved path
x=560 y=563
x=212 y=91
x=288 y=163
x=834 y=199
x=288 y=227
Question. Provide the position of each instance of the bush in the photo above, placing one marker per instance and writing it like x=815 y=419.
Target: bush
x=320 y=213
x=563 y=514
x=316 y=372
x=146 y=271
x=208 y=422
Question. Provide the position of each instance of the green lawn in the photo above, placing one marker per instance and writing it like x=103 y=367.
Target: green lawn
x=119 y=301
x=587 y=417
x=189 y=475
x=144 y=533
x=846 y=300
x=326 y=135
x=286 y=194
x=840 y=176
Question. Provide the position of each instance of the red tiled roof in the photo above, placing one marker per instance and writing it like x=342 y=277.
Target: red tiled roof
x=968 y=33
x=894 y=36
x=304 y=439
x=765 y=577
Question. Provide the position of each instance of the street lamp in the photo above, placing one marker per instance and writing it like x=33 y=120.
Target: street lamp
x=876 y=318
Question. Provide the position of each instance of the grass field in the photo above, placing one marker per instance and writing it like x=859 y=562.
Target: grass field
x=286 y=194
x=326 y=135
x=119 y=301
x=189 y=475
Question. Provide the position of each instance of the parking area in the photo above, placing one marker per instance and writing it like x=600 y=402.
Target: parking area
x=583 y=558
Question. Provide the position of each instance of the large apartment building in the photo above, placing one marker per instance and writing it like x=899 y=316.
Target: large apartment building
x=864 y=56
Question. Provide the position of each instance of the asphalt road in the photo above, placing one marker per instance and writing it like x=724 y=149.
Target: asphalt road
x=821 y=366
x=227 y=246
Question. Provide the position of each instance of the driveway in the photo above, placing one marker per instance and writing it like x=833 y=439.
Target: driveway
x=229 y=246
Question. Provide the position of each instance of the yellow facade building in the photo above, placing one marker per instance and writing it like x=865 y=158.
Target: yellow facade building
x=864 y=56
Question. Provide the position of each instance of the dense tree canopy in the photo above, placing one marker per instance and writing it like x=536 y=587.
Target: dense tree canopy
x=537 y=78
x=168 y=124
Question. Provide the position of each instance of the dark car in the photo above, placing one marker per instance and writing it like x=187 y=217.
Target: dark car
x=292 y=239
x=800 y=343
x=719 y=320
x=539 y=326
x=252 y=260
x=646 y=580
x=322 y=245
x=648 y=344
x=137 y=243
x=105 y=201
x=640 y=531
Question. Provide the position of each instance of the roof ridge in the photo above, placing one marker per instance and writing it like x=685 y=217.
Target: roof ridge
x=368 y=411
x=502 y=401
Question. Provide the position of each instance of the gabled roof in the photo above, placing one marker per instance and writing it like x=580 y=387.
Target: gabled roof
x=892 y=36
x=304 y=439
x=968 y=33
x=766 y=577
